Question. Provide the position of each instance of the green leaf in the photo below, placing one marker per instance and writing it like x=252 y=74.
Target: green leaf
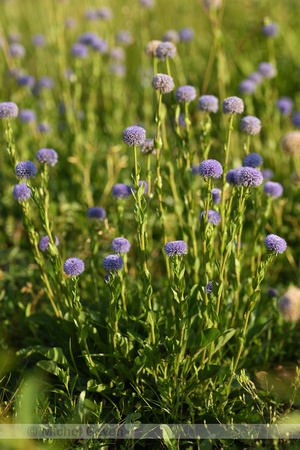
x=49 y=366
x=93 y=386
x=208 y=336
x=208 y=372
x=223 y=339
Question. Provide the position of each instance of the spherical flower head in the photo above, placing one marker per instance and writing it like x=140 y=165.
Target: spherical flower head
x=44 y=127
x=256 y=77
x=117 y=54
x=166 y=50
x=175 y=248
x=275 y=243
x=140 y=184
x=120 y=245
x=117 y=69
x=252 y=160
x=247 y=86
x=267 y=70
x=148 y=4
x=213 y=4
x=88 y=38
x=134 y=135
x=44 y=243
x=8 y=110
x=250 y=125
x=73 y=267
x=79 y=51
x=124 y=37
x=26 y=169
x=231 y=176
x=105 y=13
x=186 y=34
x=216 y=195
x=194 y=169
x=148 y=147
x=270 y=29
x=163 y=83
x=208 y=103
x=296 y=119
x=151 y=47
x=210 y=168
x=21 y=192
x=272 y=292
x=248 y=176
x=213 y=217
x=27 y=116
x=14 y=37
x=45 y=83
x=268 y=174
x=70 y=22
x=113 y=263
x=38 y=40
x=120 y=190
x=290 y=143
x=91 y=14
x=47 y=156
x=96 y=212
x=185 y=94
x=233 y=105
x=171 y=36
x=99 y=45
x=285 y=105
x=17 y=50
x=273 y=189
x=26 y=80
x=289 y=304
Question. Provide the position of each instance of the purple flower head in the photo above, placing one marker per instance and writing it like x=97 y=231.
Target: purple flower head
x=185 y=94
x=270 y=30
x=121 y=190
x=45 y=83
x=267 y=174
x=186 y=34
x=171 y=36
x=117 y=54
x=209 y=288
x=120 y=245
x=38 y=40
x=99 y=45
x=44 y=243
x=43 y=127
x=231 y=176
x=247 y=86
x=275 y=243
x=252 y=160
x=118 y=69
x=151 y=47
x=108 y=276
x=213 y=217
x=73 y=267
x=273 y=189
x=113 y=263
x=256 y=77
x=165 y=50
x=91 y=14
x=14 y=37
x=290 y=143
x=210 y=168
x=148 y=4
x=88 y=38
x=21 y=192
x=70 y=22
x=267 y=70
x=163 y=83
x=47 y=155
x=140 y=184
x=17 y=50
x=27 y=115
x=26 y=169
x=174 y=248
x=272 y=292
x=134 y=135
x=233 y=105
x=194 y=169
x=124 y=37
x=250 y=125
x=148 y=147
x=285 y=105
x=96 y=212
x=105 y=13
x=26 y=80
x=248 y=176
x=208 y=103
x=216 y=195
x=8 y=110
x=79 y=51
x=213 y=4
x=296 y=119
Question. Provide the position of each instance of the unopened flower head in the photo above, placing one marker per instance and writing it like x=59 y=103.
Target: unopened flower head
x=209 y=288
x=248 y=176
x=175 y=248
x=285 y=105
x=250 y=125
x=186 y=34
x=47 y=155
x=79 y=51
x=163 y=83
x=121 y=190
x=273 y=189
x=185 y=94
x=120 y=245
x=26 y=169
x=96 y=212
x=212 y=217
x=275 y=243
x=113 y=263
x=252 y=160
x=210 y=168
x=290 y=143
x=27 y=116
x=233 y=105
x=270 y=29
x=151 y=47
x=208 y=103
x=289 y=304
x=171 y=36
x=44 y=243
x=247 y=86
x=216 y=195
x=165 y=50
x=8 y=110
x=134 y=135
x=21 y=192
x=73 y=267
x=267 y=70
x=148 y=147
